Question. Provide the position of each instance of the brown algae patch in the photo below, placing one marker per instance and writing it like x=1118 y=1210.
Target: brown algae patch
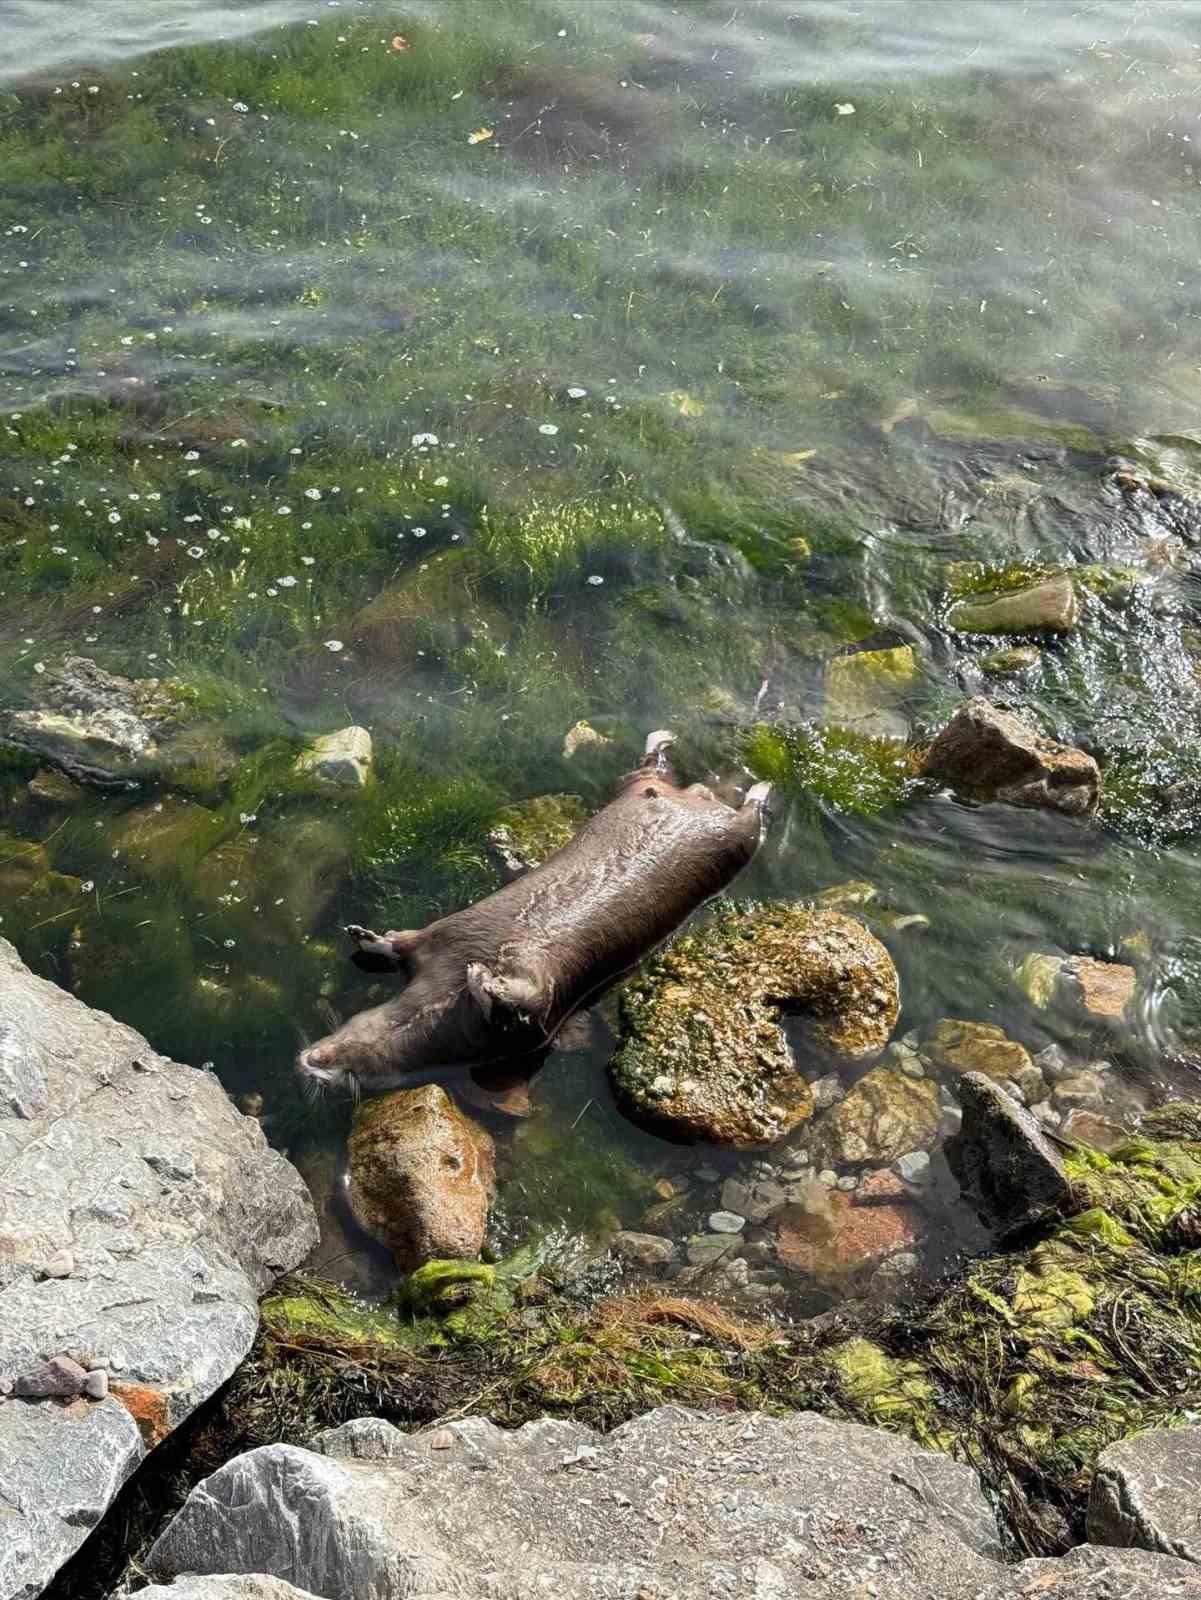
x=703 y=1055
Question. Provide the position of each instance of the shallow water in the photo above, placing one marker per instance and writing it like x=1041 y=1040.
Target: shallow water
x=734 y=327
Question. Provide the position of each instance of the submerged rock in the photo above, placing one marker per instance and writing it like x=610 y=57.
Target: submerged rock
x=958 y=1047
x=422 y=1176
x=691 y=1505
x=342 y=758
x=1047 y=607
x=141 y=1217
x=986 y=753
x=703 y=1054
x=863 y=687
x=1147 y=1494
x=1008 y=663
x=833 y=1236
x=98 y=727
x=1004 y=1163
x=1100 y=991
x=526 y=834
x=886 y=1114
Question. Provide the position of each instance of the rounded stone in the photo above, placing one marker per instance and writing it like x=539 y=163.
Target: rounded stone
x=726 y=1222
x=422 y=1176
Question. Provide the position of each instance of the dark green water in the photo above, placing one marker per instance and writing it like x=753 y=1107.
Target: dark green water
x=465 y=371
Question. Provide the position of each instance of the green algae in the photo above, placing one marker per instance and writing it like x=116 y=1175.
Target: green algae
x=832 y=767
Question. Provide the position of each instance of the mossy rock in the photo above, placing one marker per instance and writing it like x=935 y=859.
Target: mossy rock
x=703 y=1055
x=1046 y=607
x=30 y=890
x=864 y=685
x=434 y=609
x=527 y=833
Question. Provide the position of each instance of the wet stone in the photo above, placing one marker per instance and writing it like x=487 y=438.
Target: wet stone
x=1084 y=1091
x=726 y=1222
x=1048 y=607
x=1011 y=1173
x=884 y=1115
x=987 y=753
x=1100 y=991
x=756 y=1201
x=644 y=1249
x=1008 y=663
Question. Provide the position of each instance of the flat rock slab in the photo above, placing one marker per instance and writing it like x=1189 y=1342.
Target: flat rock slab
x=141 y=1217
x=1147 y=1493
x=672 y=1504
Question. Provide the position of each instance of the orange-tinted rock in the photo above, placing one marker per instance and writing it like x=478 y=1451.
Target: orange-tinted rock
x=835 y=1238
x=422 y=1176
x=148 y=1408
x=1100 y=990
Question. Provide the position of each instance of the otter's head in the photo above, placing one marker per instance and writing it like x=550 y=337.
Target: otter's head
x=376 y=1049
x=361 y=1051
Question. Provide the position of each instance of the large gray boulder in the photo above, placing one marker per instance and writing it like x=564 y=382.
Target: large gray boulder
x=1089 y=1573
x=1147 y=1493
x=141 y=1217
x=673 y=1503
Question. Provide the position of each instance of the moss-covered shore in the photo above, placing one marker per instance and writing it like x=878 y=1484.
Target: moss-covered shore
x=1026 y=1364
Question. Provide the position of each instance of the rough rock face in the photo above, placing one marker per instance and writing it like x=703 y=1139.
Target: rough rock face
x=988 y=754
x=885 y=1115
x=422 y=1176
x=672 y=1504
x=1091 y=1573
x=957 y=1047
x=1048 y=607
x=1003 y=1161
x=703 y=1053
x=1147 y=1493
x=231 y=1586
x=1101 y=991
x=96 y=726
x=141 y=1217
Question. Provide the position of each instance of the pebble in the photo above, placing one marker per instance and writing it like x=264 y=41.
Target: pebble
x=914 y=1167
x=1053 y=1064
x=60 y=1265
x=848 y=1183
x=796 y=1161
x=95 y=1385
x=60 y=1376
x=708 y=1174
x=726 y=1222
x=827 y=1091
x=912 y=1067
x=828 y=1177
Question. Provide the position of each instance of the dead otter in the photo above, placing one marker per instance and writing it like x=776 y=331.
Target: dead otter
x=499 y=980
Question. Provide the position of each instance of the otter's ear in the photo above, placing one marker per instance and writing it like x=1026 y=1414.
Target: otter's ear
x=518 y=991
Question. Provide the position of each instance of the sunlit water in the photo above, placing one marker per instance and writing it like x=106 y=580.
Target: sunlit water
x=642 y=357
